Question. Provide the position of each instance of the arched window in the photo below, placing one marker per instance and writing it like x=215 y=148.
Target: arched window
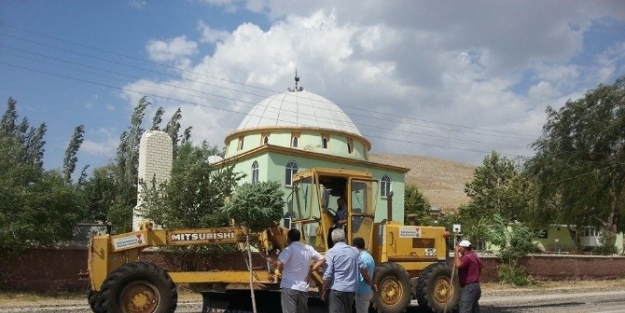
x=385 y=186
x=294 y=141
x=291 y=169
x=265 y=140
x=350 y=146
x=254 y=172
x=240 y=146
x=324 y=142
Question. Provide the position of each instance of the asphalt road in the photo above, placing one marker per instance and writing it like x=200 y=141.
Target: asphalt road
x=539 y=301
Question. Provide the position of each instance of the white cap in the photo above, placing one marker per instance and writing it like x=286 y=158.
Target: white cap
x=465 y=243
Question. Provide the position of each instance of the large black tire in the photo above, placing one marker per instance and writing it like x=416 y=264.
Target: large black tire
x=394 y=291
x=93 y=298
x=435 y=290
x=138 y=288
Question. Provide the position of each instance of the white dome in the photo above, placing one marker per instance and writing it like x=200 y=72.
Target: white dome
x=298 y=109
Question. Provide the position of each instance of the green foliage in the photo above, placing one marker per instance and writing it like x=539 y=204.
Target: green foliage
x=256 y=206
x=118 y=202
x=36 y=207
x=515 y=242
x=416 y=203
x=70 y=160
x=192 y=198
x=607 y=245
x=100 y=193
x=194 y=195
x=580 y=160
x=474 y=226
x=513 y=274
x=495 y=189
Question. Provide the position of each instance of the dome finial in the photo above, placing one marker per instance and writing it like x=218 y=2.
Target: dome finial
x=296 y=82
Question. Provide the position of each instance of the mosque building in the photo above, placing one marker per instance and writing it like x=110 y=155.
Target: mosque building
x=297 y=130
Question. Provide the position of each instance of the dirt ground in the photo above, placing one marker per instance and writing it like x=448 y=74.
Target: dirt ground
x=75 y=298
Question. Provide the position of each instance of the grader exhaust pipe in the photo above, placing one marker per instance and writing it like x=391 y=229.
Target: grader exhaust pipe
x=389 y=206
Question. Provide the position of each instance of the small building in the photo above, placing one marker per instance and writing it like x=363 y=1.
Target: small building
x=557 y=239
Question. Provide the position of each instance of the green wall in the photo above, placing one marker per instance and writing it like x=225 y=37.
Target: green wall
x=272 y=167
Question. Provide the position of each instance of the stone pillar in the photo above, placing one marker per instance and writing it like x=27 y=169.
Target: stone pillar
x=155 y=162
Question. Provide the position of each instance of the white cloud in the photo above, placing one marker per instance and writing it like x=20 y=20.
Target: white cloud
x=424 y=78
x=171 y=50
x=543 y=90
x=102 y=142
x=211 y=35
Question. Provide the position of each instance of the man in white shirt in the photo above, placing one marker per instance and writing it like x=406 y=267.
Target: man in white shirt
x=294 y=261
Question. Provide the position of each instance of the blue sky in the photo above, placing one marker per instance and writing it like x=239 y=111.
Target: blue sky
x=451 y=80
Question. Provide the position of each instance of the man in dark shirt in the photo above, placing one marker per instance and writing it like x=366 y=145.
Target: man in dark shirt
x=469 y=271
x=338 y=220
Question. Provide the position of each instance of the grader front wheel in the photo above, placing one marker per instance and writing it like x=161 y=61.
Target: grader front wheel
x=436 y=290
x=138 y=288
x=394 y=293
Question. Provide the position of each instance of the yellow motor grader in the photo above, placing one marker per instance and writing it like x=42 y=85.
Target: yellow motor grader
x=411 y=261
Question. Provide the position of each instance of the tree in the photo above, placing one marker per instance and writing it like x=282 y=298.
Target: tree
x=416 y=203
x=256 y=207
x=70 y=160
x=515 y=242
x=157 y=119
x=119 y=214
x=491 y=189
x=192 y=198
x=194 y=195
x=580 y=161
x=100 y=191
x=37 y=207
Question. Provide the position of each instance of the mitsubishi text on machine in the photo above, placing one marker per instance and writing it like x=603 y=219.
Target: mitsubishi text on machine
x=202 y=236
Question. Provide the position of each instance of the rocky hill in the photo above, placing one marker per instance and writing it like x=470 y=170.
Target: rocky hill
x=441 y=181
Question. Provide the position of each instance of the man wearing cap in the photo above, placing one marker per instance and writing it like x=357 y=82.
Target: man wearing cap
x=469 y=271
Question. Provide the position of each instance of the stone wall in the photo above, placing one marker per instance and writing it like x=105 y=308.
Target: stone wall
x=58 y=269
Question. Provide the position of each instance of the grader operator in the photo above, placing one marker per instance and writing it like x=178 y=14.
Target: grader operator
x=410 y=260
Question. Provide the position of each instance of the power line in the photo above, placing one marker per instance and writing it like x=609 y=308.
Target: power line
x=218 y=108
x=472 y=129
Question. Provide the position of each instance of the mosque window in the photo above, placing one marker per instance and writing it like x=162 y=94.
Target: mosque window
x=255 y=172
x=264 y=138
x=350 y=146
x=291 y=169
x=240 y=145
x=294 y=140
x=385 y=186
x=325 y=140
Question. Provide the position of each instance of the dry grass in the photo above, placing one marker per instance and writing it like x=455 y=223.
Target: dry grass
x=442 y=182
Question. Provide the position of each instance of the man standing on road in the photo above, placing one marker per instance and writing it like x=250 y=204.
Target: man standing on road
x=340 y=277
x=469 y=271
x=364 y=292
x=294 y=261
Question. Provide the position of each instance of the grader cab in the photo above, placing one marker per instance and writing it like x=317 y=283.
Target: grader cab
x=410 y=260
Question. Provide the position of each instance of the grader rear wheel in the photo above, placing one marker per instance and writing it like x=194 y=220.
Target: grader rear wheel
x=394 y=293
x=138 y=288
x=435 y=289
x=94 y=300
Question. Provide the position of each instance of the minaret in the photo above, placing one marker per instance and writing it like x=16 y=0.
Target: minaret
x=155 y=162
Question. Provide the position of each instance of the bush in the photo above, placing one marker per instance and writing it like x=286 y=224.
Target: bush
x=513 y=274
